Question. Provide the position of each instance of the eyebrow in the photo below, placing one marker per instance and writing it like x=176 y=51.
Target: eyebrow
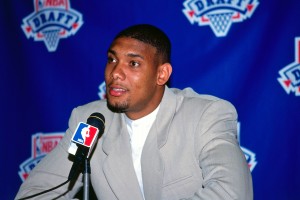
x=132 y=55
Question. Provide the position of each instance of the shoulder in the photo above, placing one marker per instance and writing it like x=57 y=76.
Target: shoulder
x=197 y=101
x=97 y=104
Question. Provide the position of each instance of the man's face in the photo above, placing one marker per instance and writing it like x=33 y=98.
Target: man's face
x=131 y=77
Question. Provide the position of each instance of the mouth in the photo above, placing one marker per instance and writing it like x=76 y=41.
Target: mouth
x=116 y=91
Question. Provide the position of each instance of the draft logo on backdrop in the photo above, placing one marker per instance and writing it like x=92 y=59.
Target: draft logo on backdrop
x=51 y=21
x=250 y=156
x=290 y=74
x=41 y=144
x=218 y=14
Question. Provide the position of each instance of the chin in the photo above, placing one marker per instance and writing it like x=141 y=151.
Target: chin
x=118 y=108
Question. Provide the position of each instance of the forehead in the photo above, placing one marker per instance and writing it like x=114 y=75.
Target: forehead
x=125 y=45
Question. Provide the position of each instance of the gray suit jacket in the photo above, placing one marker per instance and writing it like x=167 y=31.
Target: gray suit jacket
x=191 y=152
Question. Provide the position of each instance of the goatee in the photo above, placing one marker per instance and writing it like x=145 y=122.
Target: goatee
x=117 y=107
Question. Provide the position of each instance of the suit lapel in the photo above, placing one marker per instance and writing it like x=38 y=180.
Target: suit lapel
x=118 y=166
x=152 y=162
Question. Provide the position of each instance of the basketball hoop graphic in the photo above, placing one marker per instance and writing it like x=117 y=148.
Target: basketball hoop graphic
x=220 y=22
x=51 y=39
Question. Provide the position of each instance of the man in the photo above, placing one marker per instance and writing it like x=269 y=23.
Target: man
x=159 y=143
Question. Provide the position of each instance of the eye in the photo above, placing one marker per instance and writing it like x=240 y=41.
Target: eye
x=134 y=64
x=111 y=60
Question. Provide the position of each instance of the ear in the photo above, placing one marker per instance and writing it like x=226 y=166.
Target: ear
x=163 y=73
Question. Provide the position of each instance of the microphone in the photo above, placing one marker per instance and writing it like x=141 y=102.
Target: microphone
x=84 y=140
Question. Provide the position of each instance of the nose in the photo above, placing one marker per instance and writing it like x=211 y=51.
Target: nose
x=117 y=72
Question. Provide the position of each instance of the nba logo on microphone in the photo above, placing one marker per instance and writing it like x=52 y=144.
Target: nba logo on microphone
x=85 y=134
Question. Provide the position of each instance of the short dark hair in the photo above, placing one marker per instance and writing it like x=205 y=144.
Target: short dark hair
x=152 y=35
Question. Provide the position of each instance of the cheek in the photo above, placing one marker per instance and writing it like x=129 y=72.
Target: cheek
x=144 y=83
x=136 y=80
x=107 y=73
x=139 y=80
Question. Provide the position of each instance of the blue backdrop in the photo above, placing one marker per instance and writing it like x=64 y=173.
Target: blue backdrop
x=53 y=54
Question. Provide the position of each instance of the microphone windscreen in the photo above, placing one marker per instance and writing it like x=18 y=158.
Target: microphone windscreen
x=97 y=120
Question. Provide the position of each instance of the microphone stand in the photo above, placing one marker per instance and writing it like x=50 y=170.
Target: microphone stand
x=86 y=179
